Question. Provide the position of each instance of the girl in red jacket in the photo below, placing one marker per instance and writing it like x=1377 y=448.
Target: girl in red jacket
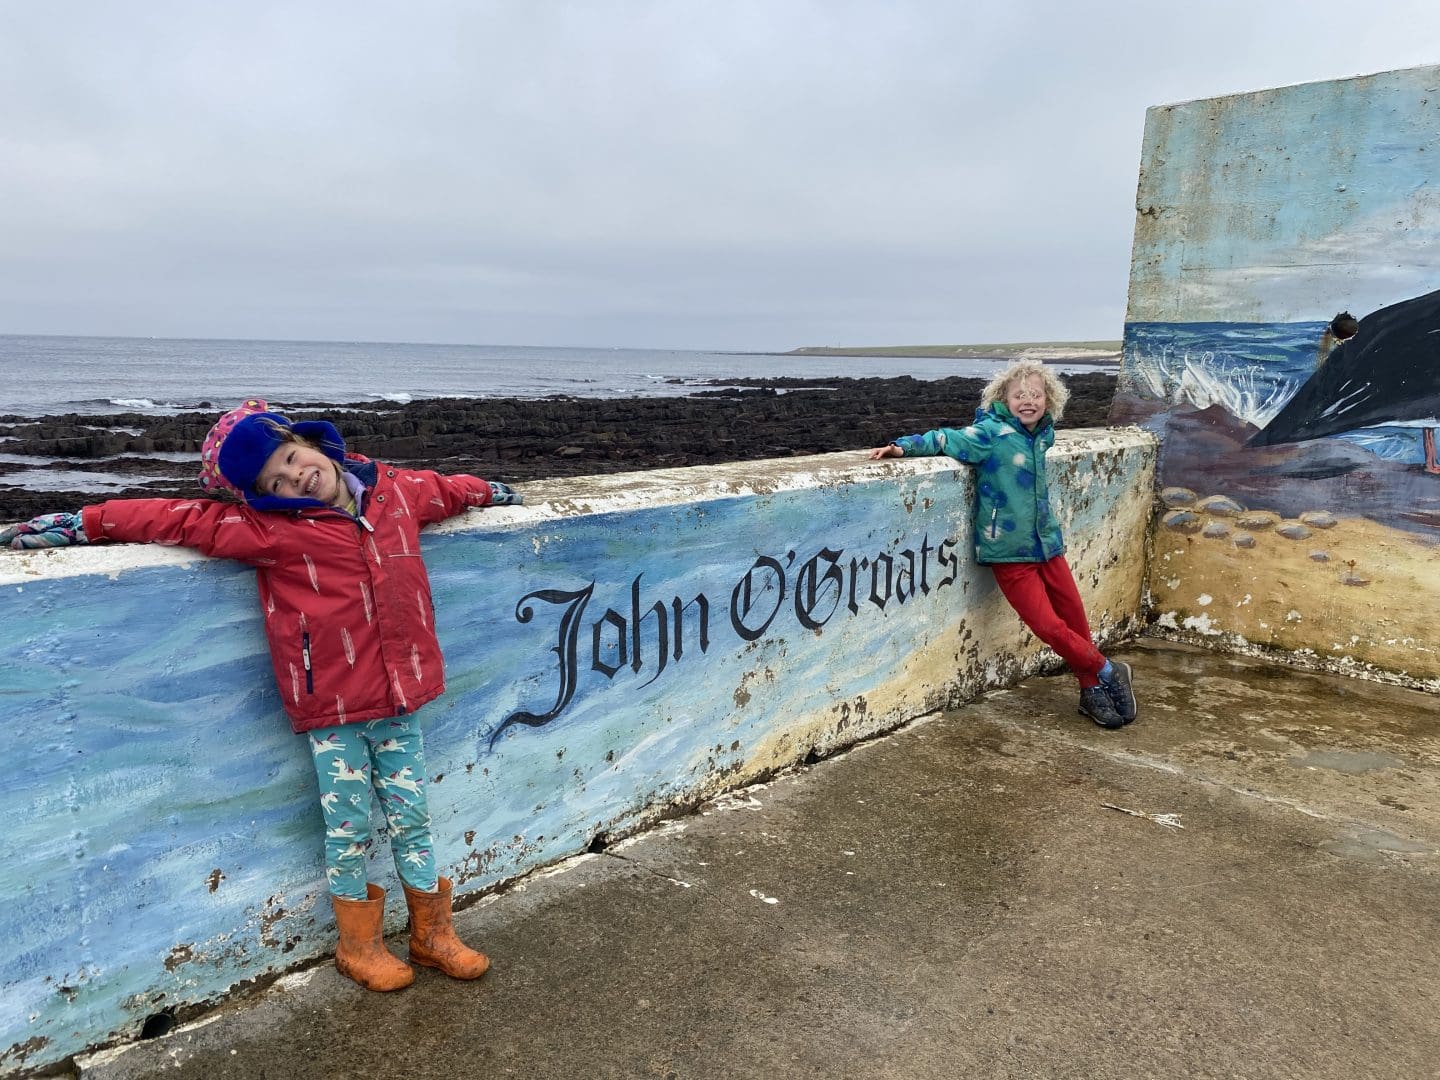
x=335 y=542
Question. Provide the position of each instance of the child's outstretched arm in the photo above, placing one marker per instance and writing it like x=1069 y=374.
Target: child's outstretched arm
x=224 y=530
x=970 y=444
x=215 y=528
x=434 y=497
x=45 y=531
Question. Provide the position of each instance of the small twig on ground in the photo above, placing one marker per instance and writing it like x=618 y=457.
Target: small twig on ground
x=1170 y=821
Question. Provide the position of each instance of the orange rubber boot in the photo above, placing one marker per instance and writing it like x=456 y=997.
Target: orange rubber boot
x=432 y=935
x=362 y=954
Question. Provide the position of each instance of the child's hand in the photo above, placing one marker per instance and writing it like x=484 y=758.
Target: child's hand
x=45 y=531
x=502 y=495
x=886 y=451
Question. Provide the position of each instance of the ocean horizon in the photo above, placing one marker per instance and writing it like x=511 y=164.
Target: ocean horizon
x=56 y=374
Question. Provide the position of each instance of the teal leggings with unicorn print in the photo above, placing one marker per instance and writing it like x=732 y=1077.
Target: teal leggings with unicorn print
x=387 y=755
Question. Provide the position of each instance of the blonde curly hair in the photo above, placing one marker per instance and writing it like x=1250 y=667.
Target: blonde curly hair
x=1056 y=395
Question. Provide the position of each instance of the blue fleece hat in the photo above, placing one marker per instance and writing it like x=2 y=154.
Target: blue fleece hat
x=241 y=442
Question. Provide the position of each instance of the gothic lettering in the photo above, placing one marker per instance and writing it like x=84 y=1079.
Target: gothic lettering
x=564 y=648
x=615 y=619
x=653 y=636
x=950 y=559
x=811 y=586
x=875 y=597
x=905 y=577
x=747 y=594
x=703 y=607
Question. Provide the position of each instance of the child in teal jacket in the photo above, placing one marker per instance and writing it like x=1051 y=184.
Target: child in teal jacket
x=1016 y=533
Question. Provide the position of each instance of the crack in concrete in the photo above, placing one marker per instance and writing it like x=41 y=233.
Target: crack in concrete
x=649 y=870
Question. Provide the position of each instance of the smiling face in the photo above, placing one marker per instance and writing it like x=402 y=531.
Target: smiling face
x=297 y=470
x=1025 y=398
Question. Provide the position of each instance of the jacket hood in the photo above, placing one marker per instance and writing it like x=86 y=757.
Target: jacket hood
x=241 y=442
x=320 y=432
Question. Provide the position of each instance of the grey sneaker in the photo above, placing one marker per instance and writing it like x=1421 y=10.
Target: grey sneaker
x=1096 y=704
x=1118 y=687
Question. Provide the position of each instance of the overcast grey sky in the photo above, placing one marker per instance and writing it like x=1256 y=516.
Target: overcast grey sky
x=737 y=175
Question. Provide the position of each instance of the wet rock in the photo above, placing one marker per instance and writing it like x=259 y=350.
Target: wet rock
x=1181 y=521
x=1219 y=506
x=1293 y=530
x=1177 y=496
x=516 y=440
x=1243 y=540
x=1216 y=530
x=1319 y=519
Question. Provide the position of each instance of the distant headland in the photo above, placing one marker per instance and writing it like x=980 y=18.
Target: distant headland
x=1068 y=352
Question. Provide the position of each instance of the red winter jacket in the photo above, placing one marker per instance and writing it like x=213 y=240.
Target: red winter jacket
x=347 y=602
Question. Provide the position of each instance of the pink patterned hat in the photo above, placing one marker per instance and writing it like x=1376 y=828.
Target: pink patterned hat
x=241 y=442
x=211 y=478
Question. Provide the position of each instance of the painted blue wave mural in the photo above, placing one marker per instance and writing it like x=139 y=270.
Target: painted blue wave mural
x=1249 y=369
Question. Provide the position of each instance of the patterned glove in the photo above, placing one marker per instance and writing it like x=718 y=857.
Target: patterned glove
x=45 y=531
x=502 y=495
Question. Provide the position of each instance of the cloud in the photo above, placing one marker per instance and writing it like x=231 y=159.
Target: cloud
x=756 y=174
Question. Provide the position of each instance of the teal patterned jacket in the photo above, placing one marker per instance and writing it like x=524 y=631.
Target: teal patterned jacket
x=1013 y=519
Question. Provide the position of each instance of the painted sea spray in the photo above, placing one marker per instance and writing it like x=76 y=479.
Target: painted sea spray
x=1247 y=371
x=1253 y=371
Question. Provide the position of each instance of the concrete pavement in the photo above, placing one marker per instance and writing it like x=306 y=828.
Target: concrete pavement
x=1241 y=884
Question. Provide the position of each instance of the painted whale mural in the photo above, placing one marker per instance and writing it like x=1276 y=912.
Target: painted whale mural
x=1299 y=503
x=1388 y=373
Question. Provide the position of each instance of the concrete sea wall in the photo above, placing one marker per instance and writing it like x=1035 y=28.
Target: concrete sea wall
x=1298 y=466
x=620 y=648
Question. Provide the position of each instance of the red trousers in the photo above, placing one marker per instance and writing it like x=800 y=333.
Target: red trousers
x=1044 y=595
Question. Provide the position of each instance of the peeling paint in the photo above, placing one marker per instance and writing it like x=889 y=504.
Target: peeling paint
x=631 y=748
x=19 y=1054
x=1268 y=230
x=180 y=954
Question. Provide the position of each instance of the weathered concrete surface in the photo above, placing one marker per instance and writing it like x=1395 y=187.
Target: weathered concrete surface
x=1259 y=217
x=956 y=899
x=615 y=649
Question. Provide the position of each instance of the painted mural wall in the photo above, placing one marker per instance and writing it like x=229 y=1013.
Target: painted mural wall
x=1283 y=339
x=620 y=647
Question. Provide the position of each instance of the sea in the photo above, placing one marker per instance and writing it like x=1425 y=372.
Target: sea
x=1250 y=369
x=93 y=375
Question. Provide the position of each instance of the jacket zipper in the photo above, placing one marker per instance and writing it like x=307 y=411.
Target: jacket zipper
x=1037 y=463
x=995 y=513
x=305 y=653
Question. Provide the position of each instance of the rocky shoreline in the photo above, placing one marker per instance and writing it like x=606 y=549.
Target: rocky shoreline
x=516 y=440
